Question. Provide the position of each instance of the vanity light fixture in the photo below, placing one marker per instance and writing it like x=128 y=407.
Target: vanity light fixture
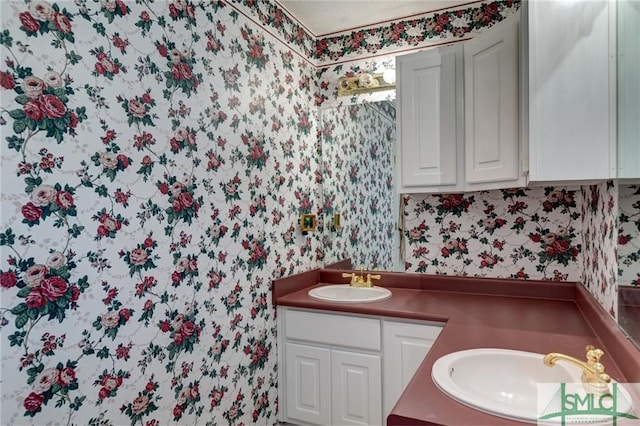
x=366 y=83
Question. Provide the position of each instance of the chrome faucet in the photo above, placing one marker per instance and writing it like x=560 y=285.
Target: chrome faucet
x=594 y=378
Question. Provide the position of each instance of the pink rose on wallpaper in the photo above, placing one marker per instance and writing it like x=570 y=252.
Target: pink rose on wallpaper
x=31 y=212
x=140 y=404
x=110 y=319
x=53 y=79
x=62 y=23
x=35 y=299
x=41 y=10
x=136 y=108
x=64 y=200
x=43 y=195
x=33 y=402
x=66 y=376
x=181 y=71
x=8 y=279
x=54 y=288
x=32 y=110
x=138 y=256
x=7 y=81
x=35 y=274
x=33 y=86
x=52 y=106
x=29 y=22
x=46 y=380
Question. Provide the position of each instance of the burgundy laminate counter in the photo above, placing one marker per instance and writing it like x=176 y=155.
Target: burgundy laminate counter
x=531 y=316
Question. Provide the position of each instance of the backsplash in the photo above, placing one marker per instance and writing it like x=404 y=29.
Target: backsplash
x=518 y=233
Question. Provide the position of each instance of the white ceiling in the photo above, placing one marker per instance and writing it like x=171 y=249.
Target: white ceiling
x=323 y=17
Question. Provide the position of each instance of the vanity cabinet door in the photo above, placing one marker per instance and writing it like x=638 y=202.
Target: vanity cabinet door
x=429 y=97
x=571 y=90
x=492 y=132
x=405 y=347
x=308 y=384
x=356 y=388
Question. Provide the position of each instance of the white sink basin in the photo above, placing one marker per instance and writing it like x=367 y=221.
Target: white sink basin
x=499 y=381
x=346 y=293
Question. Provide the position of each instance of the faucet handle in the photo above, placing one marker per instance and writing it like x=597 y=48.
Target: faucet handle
x=593 y=354
x=372 y=277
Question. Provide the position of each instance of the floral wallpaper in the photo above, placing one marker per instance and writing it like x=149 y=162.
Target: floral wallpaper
x=628 y=235
x=600 y=265
x=433 y=28
x=358 y=157
x=515 y=233
x=155 y=159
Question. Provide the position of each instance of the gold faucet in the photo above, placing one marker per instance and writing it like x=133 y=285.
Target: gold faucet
x=594 y=379
x=359 y=280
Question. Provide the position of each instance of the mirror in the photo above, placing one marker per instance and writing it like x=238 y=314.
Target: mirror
x=629 y=260
x=360 y=209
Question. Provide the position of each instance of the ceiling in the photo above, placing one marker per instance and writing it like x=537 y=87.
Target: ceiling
x=324 y=17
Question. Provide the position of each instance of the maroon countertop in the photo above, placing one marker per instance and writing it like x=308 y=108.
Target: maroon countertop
x=533 y=316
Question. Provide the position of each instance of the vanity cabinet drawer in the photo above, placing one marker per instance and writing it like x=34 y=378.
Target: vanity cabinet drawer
x=335 y=330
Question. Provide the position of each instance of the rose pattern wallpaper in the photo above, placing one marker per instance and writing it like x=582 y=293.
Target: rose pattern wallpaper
x=156 y=157
x=358 y=168
x=599 y=211
x=512 y=233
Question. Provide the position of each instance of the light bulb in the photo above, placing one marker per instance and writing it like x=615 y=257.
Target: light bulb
x=389 y=76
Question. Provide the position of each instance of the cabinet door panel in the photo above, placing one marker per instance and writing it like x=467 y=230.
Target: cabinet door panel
x=405 y=347
x=570 y=91
x=428 y=118
x=356 y=391
x=308 y=384
x=491 y=106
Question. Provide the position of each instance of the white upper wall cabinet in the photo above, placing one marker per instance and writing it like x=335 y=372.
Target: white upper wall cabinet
x=459 y=115
x=492 y=107
x=572 y=90
x=429 y=94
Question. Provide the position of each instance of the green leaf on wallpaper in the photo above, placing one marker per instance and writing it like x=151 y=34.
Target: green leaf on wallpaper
x=99 y=27
x=15 y=142
x=22 y=99
x=7 y=238
x=77 y=403
x=102 y=191
x=19 y=309
x=17 y=338
x=5 y=38
x=19 y=126
x=103 y=353
x=75 y=231
x=17 y=114
x=22 y=320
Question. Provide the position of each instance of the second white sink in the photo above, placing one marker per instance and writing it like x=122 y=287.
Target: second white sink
x=346 y=294
x=505 y=383
x=499 y=381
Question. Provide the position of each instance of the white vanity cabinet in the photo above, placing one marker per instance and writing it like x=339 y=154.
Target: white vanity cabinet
x=405 y=347
x=459 y=115
x=345 y=369
x=332 y=368
x=572 y=90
